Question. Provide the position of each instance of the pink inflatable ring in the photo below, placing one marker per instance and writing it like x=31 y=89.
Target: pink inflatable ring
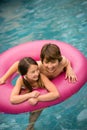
x=32 y=49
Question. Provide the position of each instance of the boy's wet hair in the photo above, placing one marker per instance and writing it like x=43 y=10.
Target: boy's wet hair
x=50 y=52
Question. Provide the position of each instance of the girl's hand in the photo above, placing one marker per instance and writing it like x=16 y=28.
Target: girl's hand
x=2 y=81
x=33 y=101
x=35 y=94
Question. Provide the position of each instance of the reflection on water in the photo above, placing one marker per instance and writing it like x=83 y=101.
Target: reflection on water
x=66 y=20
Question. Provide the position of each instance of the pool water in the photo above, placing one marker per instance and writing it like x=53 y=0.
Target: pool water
x=65 y=20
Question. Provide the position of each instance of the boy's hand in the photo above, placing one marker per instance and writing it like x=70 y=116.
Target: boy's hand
x=71 y=76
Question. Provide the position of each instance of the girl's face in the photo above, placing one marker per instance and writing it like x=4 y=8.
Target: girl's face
x=33 y=73
x=50 y=66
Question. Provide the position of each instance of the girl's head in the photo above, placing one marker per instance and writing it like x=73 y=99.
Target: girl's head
x=28 y=68
x=50 y=52
x=50 y=57
x=30 y=73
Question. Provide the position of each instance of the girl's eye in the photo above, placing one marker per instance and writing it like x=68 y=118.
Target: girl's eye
x=35 y=71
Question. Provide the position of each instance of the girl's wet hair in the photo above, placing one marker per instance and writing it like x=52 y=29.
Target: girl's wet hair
x=50 y=52
x=23 y=67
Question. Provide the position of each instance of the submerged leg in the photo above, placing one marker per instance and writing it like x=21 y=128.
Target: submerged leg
x=33 y=117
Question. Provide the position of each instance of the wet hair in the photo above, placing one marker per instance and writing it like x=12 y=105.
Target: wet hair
x=50 y=52
x=23 y=67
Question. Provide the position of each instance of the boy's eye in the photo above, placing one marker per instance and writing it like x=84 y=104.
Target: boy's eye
x=45 y=61
x=53 y=61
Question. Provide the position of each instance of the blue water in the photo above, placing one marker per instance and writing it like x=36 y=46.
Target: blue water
x=65 y=20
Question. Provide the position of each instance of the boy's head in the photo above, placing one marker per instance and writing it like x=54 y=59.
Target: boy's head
x=50 y=52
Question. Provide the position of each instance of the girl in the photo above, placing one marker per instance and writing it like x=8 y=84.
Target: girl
x=32 y=79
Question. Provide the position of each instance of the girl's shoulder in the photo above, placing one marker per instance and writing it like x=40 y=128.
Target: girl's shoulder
x=19 y=80
x=16 y=63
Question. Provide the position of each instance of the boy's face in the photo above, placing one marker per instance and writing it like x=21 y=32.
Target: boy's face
x=50 y=66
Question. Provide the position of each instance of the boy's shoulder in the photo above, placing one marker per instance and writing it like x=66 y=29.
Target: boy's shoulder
x=64 y=60
x=39 y=63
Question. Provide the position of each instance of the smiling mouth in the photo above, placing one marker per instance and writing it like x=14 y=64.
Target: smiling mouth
x=35 y=77
x=51 y=71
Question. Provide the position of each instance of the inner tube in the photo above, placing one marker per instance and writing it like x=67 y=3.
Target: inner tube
x=32 y=49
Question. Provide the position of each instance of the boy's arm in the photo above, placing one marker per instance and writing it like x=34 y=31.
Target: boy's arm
x=70 y=75
x=11 y=70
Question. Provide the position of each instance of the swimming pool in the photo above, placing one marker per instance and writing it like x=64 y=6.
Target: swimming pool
x=65 y=20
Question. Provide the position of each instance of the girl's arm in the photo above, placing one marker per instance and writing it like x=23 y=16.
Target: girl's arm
x=52 y=92
x=51 y=88
x=15 y=95
x=11 y=70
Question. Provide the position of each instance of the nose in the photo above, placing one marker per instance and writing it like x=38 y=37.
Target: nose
x=49 y=65
x=37 y=73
